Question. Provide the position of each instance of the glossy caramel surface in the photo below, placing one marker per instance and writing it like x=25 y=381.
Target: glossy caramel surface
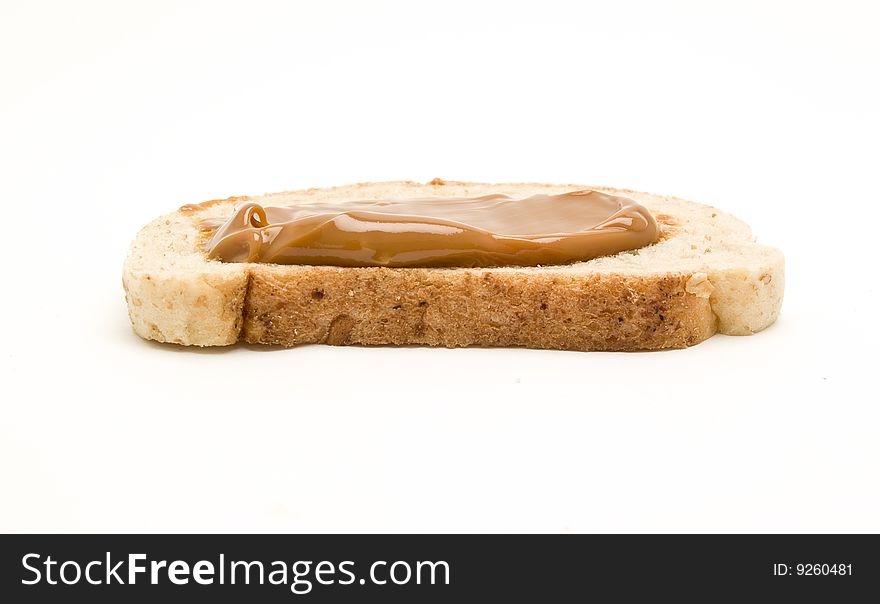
x=487 y=231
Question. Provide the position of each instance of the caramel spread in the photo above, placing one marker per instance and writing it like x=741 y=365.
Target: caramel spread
x=493 y=230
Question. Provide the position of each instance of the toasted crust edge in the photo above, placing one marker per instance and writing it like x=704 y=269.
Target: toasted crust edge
x=474 y=308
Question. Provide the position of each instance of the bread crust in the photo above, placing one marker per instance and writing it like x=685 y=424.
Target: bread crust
x=622 y=303
x=473 y=308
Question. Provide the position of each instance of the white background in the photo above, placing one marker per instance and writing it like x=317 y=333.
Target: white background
x=112 y=113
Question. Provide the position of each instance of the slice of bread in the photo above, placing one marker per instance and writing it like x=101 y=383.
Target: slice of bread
x=706 y=275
